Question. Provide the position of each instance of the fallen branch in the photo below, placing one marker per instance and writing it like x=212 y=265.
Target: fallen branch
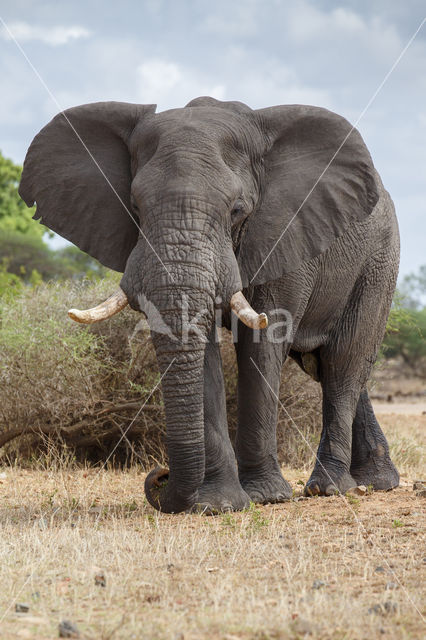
x=73 y=429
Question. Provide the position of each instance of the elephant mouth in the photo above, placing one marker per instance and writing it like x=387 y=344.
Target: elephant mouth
x=118 y=301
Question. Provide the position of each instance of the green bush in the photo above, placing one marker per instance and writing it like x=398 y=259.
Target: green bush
x=10 y=283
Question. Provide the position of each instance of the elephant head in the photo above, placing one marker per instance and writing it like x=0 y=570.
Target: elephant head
x=193 y=205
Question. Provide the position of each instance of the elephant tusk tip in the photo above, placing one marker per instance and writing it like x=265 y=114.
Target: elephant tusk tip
x=263 y=321
x=103 y=311
x=246 y=314
x=76 y=315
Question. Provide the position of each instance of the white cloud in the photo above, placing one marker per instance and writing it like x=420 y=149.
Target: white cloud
x=54 y=36
x=159 y=77
x=305 y=21
x=344 y=29
x=171 y=85
x=237 y=19
x=269 y=81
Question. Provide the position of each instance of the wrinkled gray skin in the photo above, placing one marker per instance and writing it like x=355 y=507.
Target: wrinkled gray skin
x=215 y=187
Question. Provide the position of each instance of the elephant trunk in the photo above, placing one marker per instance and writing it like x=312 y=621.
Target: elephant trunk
x=180 y=319
x=176 y=489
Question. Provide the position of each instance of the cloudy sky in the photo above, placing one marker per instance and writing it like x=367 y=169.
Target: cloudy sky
x=262 y=52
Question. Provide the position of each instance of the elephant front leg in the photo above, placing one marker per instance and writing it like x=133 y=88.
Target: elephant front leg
x=221 y=489
x=259 y=373
x=331 y=473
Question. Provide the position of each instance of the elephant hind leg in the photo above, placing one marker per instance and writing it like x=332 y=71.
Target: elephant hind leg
x=371 y=464
x=331 y=473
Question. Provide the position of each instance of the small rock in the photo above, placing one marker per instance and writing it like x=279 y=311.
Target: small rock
x=318 y=584
x=152 y=597
x=100 y=579
x=377 y=608
x=300 y=498
x=390 y=607
x=391 y=585
x=383 y=609
x=421 y=493
x=21 y=607
x=380 y=570
x=68 y=630
x=419 y=484
x=361 y=490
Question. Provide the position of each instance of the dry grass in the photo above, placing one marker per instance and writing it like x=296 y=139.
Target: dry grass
x=247 y=576
x=407 y=442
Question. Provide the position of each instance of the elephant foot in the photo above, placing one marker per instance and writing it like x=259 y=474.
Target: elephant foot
x=268 y=489
x=329 y=482
x=377 y=471
x=214 y=498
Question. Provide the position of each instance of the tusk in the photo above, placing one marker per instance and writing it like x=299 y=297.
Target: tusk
x=246 y=314
x=106 y=309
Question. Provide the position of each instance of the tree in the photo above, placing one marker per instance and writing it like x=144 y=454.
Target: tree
x=15 y=216
x=23 y=254
x=409 y=341
x=80 y=263
x=413 y=288
x=406 y=329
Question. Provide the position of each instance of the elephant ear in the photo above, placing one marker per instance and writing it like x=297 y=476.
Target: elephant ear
x=318 y=179
x=78 y=171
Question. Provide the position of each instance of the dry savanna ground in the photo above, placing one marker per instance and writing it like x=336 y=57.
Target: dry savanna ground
x=84 y=546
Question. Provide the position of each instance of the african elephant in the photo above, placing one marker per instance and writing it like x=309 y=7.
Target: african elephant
x=199 y=204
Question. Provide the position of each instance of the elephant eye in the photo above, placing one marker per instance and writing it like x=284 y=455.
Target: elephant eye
x=238 y=212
